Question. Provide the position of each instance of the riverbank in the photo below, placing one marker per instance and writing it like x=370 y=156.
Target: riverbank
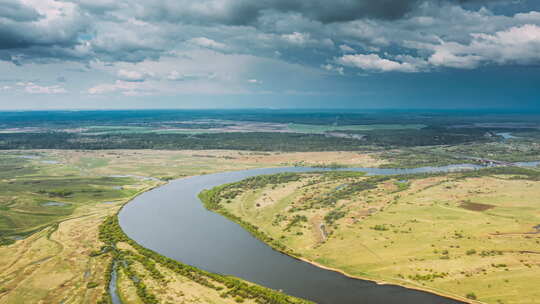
x=386 y=282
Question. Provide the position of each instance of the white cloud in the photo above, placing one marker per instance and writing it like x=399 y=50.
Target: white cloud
x=125 y=87
x=254 y=81
x=513 y=45
x=176 y=76
x=136 y=76
x=333 y=68
x=297 y=38
x=373 y=62
x=516 y=45
x=32 y=88
x=346 y=49
x=531 y=16
x=208 y=43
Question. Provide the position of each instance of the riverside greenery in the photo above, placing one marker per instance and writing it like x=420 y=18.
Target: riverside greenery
x=110 y=233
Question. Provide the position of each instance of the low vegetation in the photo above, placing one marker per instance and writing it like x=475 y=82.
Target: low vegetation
x=228 y=287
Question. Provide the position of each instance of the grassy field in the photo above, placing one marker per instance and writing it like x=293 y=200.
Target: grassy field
x=470 y=236
x=52 y=203
x=55 y=210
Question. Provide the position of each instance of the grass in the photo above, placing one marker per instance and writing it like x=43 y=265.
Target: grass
x=424 y=235
x=54 y=263
x=31 y=202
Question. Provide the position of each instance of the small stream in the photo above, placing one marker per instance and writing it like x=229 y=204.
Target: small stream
x=113 y=290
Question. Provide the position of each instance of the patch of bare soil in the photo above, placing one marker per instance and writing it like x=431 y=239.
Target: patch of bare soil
x=476 y=206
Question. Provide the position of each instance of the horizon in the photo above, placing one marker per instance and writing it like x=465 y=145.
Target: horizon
x=296 y=109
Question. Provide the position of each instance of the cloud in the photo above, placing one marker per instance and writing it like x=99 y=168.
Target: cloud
x=296 y=38
x=254 y=81
x=516 y=45
x=126 y=88
x=98 y=7
x=376 y=36
x=129 y=41
x=17 y=11
x=346 y=49
x=372 y=62
x=132 y=75
x=207 y=43
x=39 y=30
x=333 y=68
x=33 y=88
x=176 y=76
x=247 y=12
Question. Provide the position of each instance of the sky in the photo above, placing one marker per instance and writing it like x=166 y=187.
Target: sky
x=106 y=54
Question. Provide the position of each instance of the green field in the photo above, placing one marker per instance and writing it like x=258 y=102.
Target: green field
x=31 y=199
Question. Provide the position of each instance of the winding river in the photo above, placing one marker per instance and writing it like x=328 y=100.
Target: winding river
x=172 y=221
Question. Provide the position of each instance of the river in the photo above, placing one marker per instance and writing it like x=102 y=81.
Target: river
x=172 y=221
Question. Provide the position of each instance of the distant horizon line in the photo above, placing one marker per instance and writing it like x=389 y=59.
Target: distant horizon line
x=507 y=110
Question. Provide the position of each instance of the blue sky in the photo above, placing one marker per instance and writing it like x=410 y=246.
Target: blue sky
x=269 y=53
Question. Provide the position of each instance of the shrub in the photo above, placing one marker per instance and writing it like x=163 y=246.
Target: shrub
x=471 y=296
x=470 y=252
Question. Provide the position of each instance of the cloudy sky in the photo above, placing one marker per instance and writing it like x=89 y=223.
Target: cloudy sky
x=269 y=53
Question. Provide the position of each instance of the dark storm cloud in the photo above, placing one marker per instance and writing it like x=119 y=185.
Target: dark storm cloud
x=52 y=33
x=99 y=8
x=245 y=12
x=25 y=36
x=10 y=39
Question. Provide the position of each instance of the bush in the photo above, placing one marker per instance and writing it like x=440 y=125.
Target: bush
x=470 y=252
x=471 y=296
x=380 y=227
